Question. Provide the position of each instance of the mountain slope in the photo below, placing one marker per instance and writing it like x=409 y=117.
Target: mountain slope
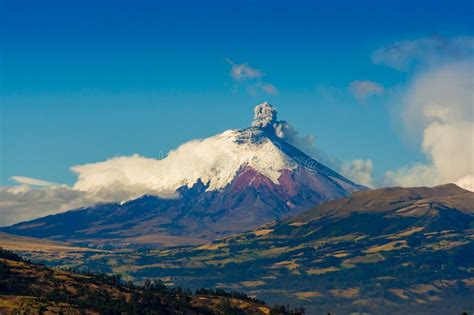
x=400 y=250
x=225 y=184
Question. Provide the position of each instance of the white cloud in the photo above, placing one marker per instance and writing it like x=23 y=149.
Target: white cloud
x=250 y=78
x=115 y=180
x=243 y=72
x=364 y=89
x=128 y=177
x=439 y=104
x=269 y=88
x=359 y=171
x=403 y=55
x=467 y=182
x=32 y=181
x=412 y=175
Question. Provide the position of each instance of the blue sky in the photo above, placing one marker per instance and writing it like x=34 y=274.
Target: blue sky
x=83 y=81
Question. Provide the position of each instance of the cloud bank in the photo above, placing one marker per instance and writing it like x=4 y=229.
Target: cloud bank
x=439 y=104
x=19 y=203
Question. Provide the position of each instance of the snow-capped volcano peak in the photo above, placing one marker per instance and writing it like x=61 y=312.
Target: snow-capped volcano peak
x=226 y=183
x=214 y=162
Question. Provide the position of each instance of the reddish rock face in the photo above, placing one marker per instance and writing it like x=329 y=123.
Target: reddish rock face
x=288 y=184
x=248 y=177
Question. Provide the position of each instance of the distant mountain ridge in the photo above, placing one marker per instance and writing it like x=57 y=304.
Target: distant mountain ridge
x=253 y=176
x=384 y=251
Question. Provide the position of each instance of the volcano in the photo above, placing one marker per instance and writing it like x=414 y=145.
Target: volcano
x=225 y=184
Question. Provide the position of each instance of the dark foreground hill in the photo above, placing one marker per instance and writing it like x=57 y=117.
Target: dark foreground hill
x=28 y=288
